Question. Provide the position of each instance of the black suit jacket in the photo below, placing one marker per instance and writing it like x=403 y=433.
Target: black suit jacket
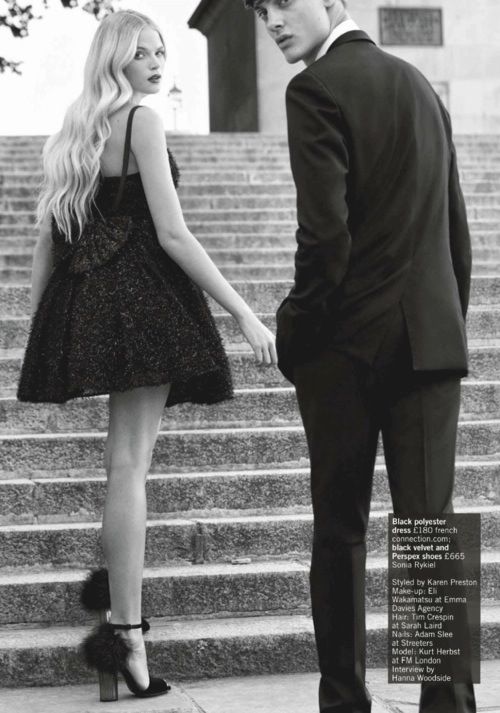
x=381 y=216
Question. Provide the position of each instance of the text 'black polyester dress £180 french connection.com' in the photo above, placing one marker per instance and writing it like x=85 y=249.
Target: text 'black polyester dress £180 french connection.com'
x=119 y=314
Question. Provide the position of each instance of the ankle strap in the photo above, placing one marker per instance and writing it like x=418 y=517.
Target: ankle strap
x=126 y=626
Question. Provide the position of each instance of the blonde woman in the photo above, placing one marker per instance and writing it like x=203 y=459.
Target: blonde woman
x=125 y=315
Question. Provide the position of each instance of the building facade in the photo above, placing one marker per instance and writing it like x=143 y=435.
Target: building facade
x=455 y=43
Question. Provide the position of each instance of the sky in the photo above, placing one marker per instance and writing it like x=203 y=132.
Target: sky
x=54 y=55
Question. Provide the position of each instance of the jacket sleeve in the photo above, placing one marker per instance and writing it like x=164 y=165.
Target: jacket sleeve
x=320 y=164
x=460 y=242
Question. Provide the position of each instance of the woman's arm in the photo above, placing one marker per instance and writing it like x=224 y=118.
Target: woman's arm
x=43 y=262
x=149 y=148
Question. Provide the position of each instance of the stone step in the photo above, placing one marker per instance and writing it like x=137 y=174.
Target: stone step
x=479 y=177
x=477 y=215
x=236 y=175
x=286 y=226
x=212 y=226
x=190 y=539
x=235 y=256
x=482 y=189
x=179 y=650
x=484 y=243
x=61 y=498
x=222 y=256
x=482 y=323
x=250 y=199
x=210 y=448
x=15 y=275
x=481 y=206
x=250 y=407
x=20 y=275
x=245 y=174
x=296 y=693
x=205 y=152
x=207 y=590
x=245 y=272
x=220 y=163
x=250 y=137
x=227 y=143
x=478 y=186
x=206 y=648
x=178 y=591
x=241 y=190
x=207 y=146
x=261 y=295
x=85 y=697
x=246 y=373
x=484 y=365
x=22 y=203
x=229 y=162
x=479 y=173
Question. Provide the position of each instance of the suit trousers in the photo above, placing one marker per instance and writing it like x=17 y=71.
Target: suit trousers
x=345 y=404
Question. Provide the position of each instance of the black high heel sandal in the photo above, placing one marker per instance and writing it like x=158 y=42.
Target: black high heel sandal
x=94 y=596
x=105 y=650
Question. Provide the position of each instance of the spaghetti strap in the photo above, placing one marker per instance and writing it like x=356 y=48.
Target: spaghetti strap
x=126 y=154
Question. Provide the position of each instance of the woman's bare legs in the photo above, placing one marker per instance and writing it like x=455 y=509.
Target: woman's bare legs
x=134 y=422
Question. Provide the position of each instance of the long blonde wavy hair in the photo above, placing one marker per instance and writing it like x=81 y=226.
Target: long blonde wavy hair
x=71 y=157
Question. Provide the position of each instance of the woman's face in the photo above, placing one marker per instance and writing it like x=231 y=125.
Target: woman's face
x=144 y=72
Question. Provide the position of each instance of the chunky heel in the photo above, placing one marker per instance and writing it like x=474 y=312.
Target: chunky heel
x=108 y=686
x=108 y=681
x=105 y=650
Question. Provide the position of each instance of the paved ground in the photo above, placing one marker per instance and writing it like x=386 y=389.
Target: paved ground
x=291 y=693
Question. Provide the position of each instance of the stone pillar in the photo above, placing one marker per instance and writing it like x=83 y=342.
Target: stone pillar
x=232 y=70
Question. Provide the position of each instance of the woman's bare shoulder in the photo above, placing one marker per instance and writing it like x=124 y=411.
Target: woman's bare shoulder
x=111 y=158
x=148 y=132
x=147 y=122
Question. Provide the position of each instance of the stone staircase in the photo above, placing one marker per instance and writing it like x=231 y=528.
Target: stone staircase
x=229 y=531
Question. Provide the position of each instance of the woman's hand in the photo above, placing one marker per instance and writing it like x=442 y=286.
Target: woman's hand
x=260 y=338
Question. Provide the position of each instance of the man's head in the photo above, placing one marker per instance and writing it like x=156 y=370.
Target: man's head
x=299 y=27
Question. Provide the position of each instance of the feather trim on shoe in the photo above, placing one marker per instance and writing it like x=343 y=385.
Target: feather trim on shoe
x=94 y=594
x=105 y=650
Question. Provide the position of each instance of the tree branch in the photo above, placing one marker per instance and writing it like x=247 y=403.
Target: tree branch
x=18 y=18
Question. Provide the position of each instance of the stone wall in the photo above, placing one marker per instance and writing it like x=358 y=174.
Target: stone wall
x=464 y=70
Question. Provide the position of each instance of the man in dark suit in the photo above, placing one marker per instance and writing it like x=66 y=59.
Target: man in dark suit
x=372 y=333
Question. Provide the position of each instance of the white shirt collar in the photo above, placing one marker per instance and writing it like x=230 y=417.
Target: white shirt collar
x=341 y=29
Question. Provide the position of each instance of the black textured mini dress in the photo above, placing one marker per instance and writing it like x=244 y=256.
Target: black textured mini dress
x=120 y=313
